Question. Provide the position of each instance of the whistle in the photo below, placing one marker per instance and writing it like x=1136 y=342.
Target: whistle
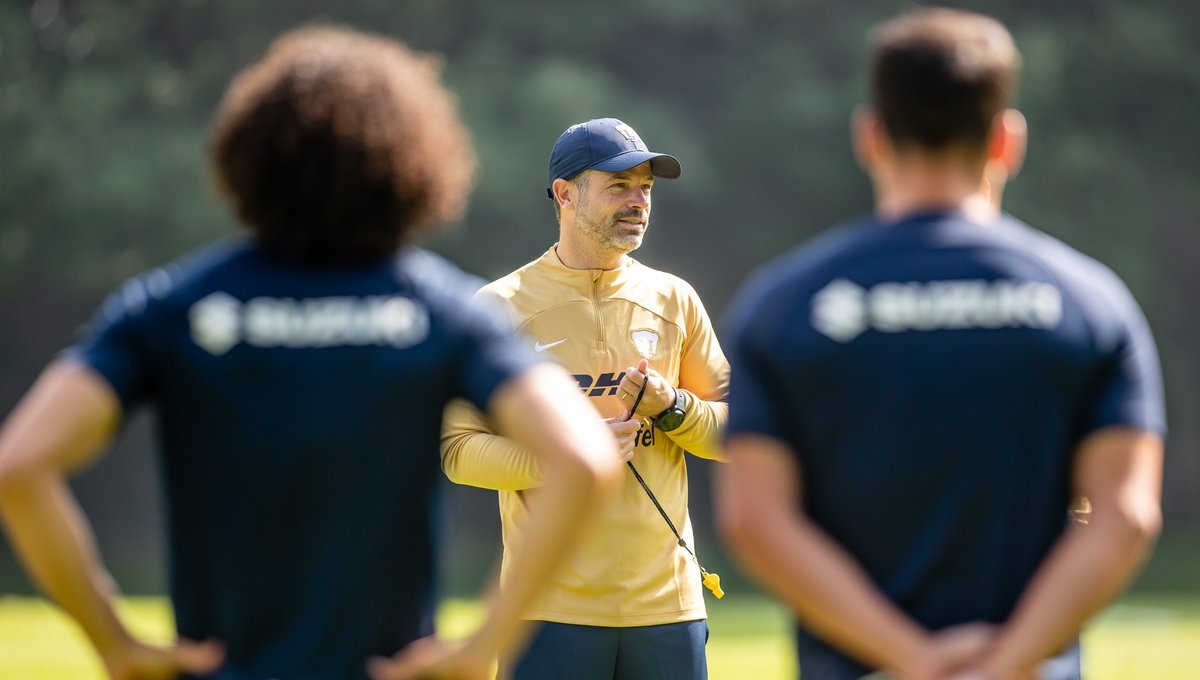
x=712 y=581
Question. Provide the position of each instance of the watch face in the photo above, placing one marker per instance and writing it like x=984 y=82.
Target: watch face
x=670 y=420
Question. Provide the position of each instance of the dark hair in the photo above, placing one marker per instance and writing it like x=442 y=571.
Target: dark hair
x=337 y=146
x=939 y=77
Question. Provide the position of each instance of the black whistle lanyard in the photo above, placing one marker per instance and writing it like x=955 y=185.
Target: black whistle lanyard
x=711 y=580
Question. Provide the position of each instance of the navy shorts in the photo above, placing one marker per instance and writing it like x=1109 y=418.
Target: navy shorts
x=673 y=651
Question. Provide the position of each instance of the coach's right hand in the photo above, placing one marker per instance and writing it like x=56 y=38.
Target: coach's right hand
x=139 y=661
x=625 y=430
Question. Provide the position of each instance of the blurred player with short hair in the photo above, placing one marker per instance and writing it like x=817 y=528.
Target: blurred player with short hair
x=299 y=375
x=918 y=398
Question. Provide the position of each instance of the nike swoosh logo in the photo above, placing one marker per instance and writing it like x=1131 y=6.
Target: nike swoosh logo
x=539 y=347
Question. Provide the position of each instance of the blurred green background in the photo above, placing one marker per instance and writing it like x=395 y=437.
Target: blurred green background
x=1142 y=638
x=104 y=108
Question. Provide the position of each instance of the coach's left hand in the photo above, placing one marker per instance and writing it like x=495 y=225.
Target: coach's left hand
x=659 y=395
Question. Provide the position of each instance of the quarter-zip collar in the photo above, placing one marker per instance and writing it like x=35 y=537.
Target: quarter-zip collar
x=593 y=284
x=601 y=282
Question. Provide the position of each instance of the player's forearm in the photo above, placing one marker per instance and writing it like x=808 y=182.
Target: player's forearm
x=759 y=494
x=700 y=433
x=489 y=461
x=544 y=411
x=56 y=546
x=1089 y=567
x=1120 y=471
x=558 y=511
x=62 y=423
x=827 y=589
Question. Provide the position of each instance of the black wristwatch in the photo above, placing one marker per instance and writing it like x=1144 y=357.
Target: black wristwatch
x=673 y=416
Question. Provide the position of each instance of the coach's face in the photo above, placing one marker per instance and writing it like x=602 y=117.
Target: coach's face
x=613 y=209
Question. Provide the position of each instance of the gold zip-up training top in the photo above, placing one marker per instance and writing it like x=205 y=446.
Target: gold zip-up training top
x=628 y=570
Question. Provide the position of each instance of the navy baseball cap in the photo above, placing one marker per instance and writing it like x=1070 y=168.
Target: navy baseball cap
x=605 y=144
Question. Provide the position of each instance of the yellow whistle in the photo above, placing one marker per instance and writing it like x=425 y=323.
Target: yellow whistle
x=712 y=581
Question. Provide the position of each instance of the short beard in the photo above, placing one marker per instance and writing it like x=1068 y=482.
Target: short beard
x=605 y=234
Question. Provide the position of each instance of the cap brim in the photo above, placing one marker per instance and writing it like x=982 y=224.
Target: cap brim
x=661 y=164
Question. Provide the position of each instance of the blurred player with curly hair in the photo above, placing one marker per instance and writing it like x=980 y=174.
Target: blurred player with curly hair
x=299 y=374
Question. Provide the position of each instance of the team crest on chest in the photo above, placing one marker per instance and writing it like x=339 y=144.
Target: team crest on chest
x=646 y=342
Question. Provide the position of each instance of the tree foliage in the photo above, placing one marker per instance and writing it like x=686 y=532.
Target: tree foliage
x=104 y=108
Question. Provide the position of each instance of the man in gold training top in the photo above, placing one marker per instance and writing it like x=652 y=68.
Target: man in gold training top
x=629 y=604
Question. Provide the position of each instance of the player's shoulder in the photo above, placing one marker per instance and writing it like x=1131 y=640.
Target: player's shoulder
x=812 y=260
x=449 y=295
x=175 y=282
x=1059 y=254
x=432 y=276
x=789 y=280
x=448 y=292
x=1104 y=300
x=1088 y=280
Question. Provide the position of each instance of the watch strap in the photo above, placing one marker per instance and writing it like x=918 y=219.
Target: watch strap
x=673 y=414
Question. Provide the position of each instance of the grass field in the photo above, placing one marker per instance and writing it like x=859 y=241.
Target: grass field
x=1144 y=637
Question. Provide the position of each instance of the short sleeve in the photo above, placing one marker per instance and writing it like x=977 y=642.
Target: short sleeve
x=116 y=342
x=753 y=395
x=482 y=352
x=1129 y=389
x=493 y=353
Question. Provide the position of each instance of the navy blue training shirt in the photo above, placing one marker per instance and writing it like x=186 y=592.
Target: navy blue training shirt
x=299 y=415
x=933 y=378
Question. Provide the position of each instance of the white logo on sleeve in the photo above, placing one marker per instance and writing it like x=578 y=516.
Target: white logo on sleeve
x=539 y=347
x=219 y=322
x=843 y=310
